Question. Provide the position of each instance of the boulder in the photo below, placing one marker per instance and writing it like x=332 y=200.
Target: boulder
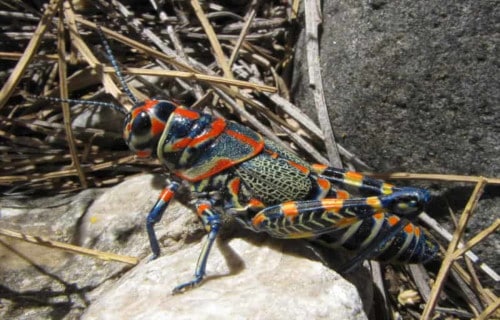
x=248 y=275
x=413 y=86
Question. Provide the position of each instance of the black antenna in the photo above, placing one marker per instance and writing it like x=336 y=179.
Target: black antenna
x=87 y=102
x=119 y=74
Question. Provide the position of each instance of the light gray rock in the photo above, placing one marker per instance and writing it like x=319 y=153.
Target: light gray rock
x=246 y=280
x=249 y=276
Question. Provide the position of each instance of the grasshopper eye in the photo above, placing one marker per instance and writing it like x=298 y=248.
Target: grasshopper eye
x=141 y=124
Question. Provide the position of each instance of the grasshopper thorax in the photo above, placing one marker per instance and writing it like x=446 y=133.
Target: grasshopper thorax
x=144 y=125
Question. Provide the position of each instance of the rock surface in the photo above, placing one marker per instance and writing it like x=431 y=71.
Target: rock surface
x=413 y=86
x=246 y=280
x=249 y=277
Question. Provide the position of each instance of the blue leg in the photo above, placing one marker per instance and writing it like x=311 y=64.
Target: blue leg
x=155 y=215
x=211 y=221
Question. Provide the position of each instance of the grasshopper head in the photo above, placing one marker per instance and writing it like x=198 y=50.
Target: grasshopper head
x=144 y=126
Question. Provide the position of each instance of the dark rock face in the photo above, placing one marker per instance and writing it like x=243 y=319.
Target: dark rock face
x=413 y=85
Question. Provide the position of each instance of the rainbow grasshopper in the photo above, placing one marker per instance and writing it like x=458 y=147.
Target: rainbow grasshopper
x=267 y=188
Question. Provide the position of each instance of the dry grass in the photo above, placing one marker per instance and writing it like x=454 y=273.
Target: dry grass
x=206 y=56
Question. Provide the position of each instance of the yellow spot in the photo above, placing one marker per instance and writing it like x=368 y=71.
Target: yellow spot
x=403 y=206
x=290 y=209
x=387 y=188
x=373 y=202
x=332 y=205
x=93 y=219
x=353 y=178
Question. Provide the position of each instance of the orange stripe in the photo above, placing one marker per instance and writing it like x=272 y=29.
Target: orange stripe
x=290 y=209
x=332 y=204
x=319 y=167
x=374 y=202
x=193 y=115
x=181 y=143
x=300 y=167
x=254 y=203
x=166 y=195
x=409 y=228
x=354 y=176
x=341 y=194
x=202 y=208
x=143 y=153
x=219 y=166
x=325 y=184
x=392 y=220
x=257 y=145
x=379 y=215
x=146 y=105
x=217 y=127
x=234 y=186
x=157 y=126
x=417 y=231
x=258 y=219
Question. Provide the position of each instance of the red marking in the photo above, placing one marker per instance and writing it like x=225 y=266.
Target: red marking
x=273 y=154
x=379 y=215
x=392 y=220
x=409 y=228
x=217 y=127
x=166 y=195
x=258 y=219
x=324 y=184
x=219 y=166
x=254 y=203
x=202 y=208
x=341 y=194
x=417 y=231
x=290 y=210
x=216 y=166
x=143 y=153
x=157 y=126
x=319 y=167
x=300 y=167
x=234 y=186
x=182 y=143
x=148 y=104
x=256 y=145
x=193 y=115
x=128 y=128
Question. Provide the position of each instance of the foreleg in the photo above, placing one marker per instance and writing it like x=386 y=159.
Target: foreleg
x=156 y=213
x=211 y=221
